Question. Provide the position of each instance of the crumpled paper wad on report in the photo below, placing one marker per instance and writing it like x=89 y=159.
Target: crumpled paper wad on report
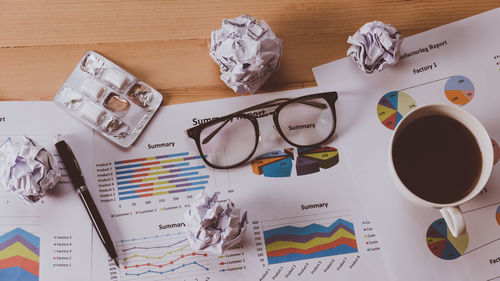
x=247 y=53
x=211 y=227
x=374 y=45
x=27 y=169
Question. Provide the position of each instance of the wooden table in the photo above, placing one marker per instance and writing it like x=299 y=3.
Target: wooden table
x=165 y=43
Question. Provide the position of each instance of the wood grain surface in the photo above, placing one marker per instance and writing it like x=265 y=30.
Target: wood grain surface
x=165 y=43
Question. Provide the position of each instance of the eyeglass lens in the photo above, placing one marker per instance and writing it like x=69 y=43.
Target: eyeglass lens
x=233 y=143
x=304 y=122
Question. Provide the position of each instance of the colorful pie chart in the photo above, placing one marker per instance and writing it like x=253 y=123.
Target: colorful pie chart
x=393 y=106
x=275 y=164
x=459 y=90
x=496 y=152
x=442 y=243
x=498 y=215
x=279 y=163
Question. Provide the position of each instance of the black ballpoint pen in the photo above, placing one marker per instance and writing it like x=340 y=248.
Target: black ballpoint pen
x=76 y=177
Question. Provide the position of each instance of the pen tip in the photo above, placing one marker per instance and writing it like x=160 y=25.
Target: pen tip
x=116 y=261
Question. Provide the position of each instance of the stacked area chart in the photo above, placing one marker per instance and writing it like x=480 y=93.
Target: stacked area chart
x=393 y=106
x=19 y=255
x=291 y=243
x=279 y=163
x=159 y=175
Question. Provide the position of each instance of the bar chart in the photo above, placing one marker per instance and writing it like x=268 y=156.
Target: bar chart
x=159 y=175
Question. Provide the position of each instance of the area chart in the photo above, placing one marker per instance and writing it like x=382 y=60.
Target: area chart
x=290 y=243
x=442 y=243
x=159 y=175
x=19 y=256
x=459 y=90
x=393 y=106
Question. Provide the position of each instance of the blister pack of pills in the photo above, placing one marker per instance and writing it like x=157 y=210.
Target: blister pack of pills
x=108 y=99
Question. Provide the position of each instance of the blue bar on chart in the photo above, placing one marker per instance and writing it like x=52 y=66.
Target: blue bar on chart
x=159 y=175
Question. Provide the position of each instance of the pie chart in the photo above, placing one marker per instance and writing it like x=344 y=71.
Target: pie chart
x=459 y=90
x=311 y=160
x=442 y=243
x=393 y=106
x=275 y=164
x=496 y=152
x=280 y=163
x=498 y=215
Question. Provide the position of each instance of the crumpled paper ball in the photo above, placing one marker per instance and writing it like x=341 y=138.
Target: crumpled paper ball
x=247 y=53
x=211 y=227
x=374 y=45
x=27 y=169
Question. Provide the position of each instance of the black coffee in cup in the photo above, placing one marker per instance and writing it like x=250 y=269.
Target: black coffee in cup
x=437 y=158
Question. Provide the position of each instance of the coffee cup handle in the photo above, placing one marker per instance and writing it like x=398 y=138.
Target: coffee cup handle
x=454 y=219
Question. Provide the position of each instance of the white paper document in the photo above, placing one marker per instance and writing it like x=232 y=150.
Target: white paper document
x=50 y=239
x=305 y=220
x=456 y=64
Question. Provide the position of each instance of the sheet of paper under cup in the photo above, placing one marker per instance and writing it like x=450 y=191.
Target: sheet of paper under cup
x=108 y=99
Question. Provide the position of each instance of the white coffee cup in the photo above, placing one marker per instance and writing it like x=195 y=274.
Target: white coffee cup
x=451 y=212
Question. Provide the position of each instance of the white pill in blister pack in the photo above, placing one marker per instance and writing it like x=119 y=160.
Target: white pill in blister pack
x=114 y=77
x=92 y=112
x=93 y=89
x=108 y=99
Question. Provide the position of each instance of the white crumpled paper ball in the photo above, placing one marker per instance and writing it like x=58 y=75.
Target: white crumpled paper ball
x=374 y=45
x=211 y=227
x=247 y=53
x=27 y=169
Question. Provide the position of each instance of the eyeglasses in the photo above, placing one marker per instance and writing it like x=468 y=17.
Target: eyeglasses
x=228 y=141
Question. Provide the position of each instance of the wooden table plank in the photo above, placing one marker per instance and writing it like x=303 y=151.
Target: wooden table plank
x=165 y=43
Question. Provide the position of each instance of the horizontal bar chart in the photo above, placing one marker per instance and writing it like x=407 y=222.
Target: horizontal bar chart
x=160 y=175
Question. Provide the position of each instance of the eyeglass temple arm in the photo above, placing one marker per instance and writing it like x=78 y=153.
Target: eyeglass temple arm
x=278 y=101
x=267 y=104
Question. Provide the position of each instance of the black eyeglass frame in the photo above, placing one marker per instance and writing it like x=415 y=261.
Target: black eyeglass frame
x=195 y=132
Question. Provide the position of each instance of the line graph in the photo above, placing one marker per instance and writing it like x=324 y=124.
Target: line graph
x=170 y=262
x=157 y=257
x=151 y=237
x=157 y=247
x=170 y=270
